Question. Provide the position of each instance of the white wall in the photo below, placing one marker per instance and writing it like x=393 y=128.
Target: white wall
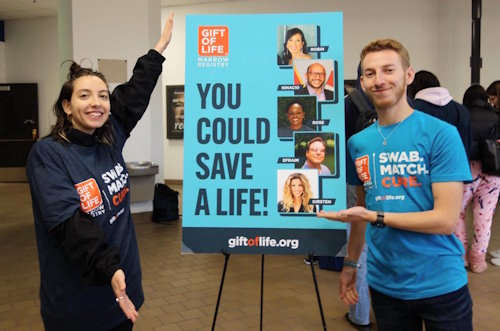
x=132 y=29
x=31 y=57
x=436 y=33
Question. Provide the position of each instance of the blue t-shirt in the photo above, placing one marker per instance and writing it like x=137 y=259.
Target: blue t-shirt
x=398 y=178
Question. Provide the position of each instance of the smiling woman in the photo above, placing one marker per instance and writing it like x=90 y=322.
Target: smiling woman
x=81 y=199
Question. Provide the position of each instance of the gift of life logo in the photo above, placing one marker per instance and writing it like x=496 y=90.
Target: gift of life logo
x=90 y=196
x=363 y=168
x=213 y=40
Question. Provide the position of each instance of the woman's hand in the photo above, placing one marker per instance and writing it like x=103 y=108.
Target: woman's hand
x=119 y=286
x=354 y=214
x=166 y=35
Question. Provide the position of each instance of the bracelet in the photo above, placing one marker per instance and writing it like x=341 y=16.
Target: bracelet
x=352 y=264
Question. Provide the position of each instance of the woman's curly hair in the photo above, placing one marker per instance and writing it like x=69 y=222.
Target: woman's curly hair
x=63 y=124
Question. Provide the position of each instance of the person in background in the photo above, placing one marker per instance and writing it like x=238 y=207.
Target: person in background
x=484 y=189
x=295 y=47
x=409 y=168
x=315 y=85
x=81 y=203
x=315 y=155
x=296 y=115
x=494 y=94
x=296 y=195
x=428 y=96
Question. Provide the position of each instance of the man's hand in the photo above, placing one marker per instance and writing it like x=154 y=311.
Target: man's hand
x=352 y=215
x=347 y=286
x=119 y=286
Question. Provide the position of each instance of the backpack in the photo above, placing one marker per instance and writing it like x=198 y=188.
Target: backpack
x=367 y=115
x=165 y=204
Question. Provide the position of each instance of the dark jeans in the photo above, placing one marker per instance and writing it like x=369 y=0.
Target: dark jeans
x=125 y=326
x=448 y=312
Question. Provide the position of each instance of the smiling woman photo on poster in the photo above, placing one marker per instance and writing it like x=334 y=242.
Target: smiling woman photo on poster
x=296 y=195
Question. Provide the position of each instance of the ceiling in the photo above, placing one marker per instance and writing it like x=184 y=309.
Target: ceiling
x=23 y=9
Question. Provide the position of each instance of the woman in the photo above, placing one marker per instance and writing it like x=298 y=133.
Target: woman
x=81 y=202
x=295 y=115
x=296 y=195
x=484 y=188
x=295 y=47
x=494 y=94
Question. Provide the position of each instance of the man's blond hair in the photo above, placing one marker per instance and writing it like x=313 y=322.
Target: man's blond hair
x=391 y=44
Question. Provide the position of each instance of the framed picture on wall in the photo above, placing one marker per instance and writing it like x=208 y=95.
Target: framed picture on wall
x=175 y=111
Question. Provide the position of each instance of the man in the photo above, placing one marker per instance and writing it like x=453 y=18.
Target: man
x=410 y=169
x=315 y=76
x=296 y=115
x=315 y=155
x=429 y=97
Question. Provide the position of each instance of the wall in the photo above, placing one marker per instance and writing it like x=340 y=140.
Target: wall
x=415 y=23
x=437 y=34
x=31 y=57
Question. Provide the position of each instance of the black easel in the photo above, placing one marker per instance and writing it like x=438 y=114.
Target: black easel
x=226 y=255
x=317 y=292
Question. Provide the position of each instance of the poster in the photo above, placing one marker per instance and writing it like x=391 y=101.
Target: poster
x=264 y=145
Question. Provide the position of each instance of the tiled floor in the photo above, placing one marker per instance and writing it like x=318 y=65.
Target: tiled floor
x=181 y=290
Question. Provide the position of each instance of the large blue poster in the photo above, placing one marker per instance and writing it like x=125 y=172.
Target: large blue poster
x=264 y=144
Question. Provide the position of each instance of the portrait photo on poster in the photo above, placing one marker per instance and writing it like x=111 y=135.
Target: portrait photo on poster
x=315 y=77
x=295 y=114
x=295 y=188
x=175 y=111
x=294 y=41
x=318 y=149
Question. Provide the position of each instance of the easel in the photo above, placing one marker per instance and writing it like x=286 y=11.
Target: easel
x=226 y=260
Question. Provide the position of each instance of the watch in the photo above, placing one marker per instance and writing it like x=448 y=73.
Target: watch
x=379 y=223
x=352 y=264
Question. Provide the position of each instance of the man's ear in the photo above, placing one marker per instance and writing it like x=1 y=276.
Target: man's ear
x=361 y=83
x=410 y=75
x=66 y=107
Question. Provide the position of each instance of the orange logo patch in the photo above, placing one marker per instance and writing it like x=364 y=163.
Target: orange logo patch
x=363 y=168
x=90 y=195
x=213 y=40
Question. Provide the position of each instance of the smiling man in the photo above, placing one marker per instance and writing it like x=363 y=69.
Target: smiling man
x=409 y=168
x=315 y=76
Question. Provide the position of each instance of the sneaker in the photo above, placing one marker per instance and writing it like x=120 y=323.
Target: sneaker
x=361 y=327
x=496 y=261
x=314 y=260
x=495 y=253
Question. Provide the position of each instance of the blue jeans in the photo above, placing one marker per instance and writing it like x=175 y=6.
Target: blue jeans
x=360 y=312
x=447 y=312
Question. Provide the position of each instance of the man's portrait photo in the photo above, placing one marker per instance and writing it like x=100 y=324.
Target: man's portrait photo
x=316 y=78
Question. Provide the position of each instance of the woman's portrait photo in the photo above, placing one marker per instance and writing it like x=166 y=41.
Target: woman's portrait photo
x=293 y=43
x=318 y=150
x=295 y=189
x=295 y=114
